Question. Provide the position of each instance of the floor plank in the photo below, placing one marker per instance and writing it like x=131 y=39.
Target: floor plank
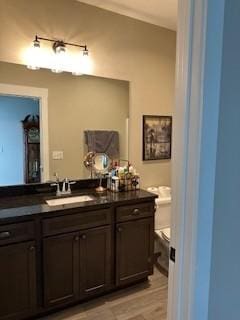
x=144 y=301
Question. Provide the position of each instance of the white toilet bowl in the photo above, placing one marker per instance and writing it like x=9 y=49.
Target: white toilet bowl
x=162 y=225
x=163 y=211
x=165 y=234
x=163 y=208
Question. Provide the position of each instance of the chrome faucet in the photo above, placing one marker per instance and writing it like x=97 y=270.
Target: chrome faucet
x=66 y=186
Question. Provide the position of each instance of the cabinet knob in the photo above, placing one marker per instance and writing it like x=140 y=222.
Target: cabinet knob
x=76 y=238
x=119 y=229
x=32 y=248
x=136 y=212
x=83 y=236
x=5 y=234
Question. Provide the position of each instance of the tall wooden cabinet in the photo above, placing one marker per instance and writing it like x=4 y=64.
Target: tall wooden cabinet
x=31 y=132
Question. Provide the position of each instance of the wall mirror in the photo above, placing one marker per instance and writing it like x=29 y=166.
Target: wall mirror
x=49 y=122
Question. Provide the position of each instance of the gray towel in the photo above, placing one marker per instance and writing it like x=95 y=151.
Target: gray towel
x=102 y=141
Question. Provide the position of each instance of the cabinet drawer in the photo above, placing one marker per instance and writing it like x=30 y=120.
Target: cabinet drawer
x=135 y=211
x=16 y=232
x=77 y=221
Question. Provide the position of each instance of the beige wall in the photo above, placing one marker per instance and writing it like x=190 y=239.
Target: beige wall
x=121 y=47
x=75 y=104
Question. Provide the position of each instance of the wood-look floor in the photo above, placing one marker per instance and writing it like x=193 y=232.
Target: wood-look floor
x=145 y=301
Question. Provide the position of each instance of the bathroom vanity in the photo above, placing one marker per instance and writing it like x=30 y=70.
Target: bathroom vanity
x=55 y=256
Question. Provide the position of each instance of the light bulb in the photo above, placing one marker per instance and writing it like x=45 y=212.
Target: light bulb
x=83 y=64
x=76 y=67
x=87 y=64
x=59 y=60
x=34 y=56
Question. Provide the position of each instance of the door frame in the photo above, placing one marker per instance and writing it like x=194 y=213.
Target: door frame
x=195 y=131
x=42 y=95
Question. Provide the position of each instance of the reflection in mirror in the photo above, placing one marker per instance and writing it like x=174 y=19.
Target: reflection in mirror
x=101 y=163
x=80 y=113
x=19 y=140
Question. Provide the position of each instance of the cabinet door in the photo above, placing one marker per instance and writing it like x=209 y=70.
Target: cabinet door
x=95 y=260
x=134 y=250
x=61 y=269
x=17 y=280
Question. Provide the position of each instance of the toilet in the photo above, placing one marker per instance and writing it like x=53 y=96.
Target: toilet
x=162 y=225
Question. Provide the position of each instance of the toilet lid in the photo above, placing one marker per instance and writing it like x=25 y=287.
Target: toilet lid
x=166 y=233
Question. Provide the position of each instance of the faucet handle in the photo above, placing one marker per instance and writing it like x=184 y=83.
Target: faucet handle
x=69 y=186
x=56 y=177
x=58 y=187
x=65 y=181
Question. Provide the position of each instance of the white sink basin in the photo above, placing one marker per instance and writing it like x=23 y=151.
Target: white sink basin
x=61 y=201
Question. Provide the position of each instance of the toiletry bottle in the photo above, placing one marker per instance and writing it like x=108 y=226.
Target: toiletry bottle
x=109 y=181
x=117 y=184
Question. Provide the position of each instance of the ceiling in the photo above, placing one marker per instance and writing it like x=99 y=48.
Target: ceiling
x=159 y=12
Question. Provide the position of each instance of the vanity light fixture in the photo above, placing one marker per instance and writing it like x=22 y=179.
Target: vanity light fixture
x=60 y=61
x=34 y=55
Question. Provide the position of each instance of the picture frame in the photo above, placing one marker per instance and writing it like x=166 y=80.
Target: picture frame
x=157 y=137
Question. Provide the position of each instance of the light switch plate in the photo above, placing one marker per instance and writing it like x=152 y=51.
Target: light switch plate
x=57 y=155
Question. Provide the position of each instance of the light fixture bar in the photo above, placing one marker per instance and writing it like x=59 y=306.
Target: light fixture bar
x=60 y=61
x=37 y=38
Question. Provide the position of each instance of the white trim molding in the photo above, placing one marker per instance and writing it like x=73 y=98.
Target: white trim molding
x=198 y=78
x=42 y=94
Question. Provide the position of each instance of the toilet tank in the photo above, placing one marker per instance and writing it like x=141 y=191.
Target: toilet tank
x=163 y=207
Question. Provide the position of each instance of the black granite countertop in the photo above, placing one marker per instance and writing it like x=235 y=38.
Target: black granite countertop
x=26 y=206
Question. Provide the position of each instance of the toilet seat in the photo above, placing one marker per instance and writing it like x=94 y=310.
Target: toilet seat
x=166 y=234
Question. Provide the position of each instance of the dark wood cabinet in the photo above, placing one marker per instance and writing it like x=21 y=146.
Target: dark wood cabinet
x=76 y=265
x=134 y=250
x=17 y=280
x=95 y=260
x=61 y=269
x=74 y=255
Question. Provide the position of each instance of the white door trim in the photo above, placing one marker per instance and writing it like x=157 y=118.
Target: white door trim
x=198 y=79
x=42 y=94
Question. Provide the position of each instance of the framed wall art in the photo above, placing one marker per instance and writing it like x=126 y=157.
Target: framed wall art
x=157 y=137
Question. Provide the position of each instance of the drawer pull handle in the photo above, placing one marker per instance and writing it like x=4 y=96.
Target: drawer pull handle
x=83 y=237
x=119 y=229
x=32 y=248
x=5 y=235
x=76 y=238
x=136 y=212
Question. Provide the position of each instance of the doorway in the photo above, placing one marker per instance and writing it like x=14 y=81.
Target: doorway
x=19 y=139
x=31 y=114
